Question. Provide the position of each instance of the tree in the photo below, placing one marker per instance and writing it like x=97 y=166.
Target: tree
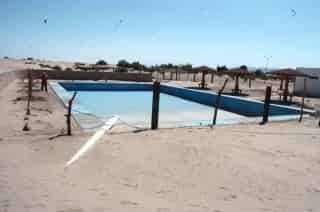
x=186 y=67
x=101 y=62
x=136 y=65
x=244 y=67
x=123 y=63
x=222 y=68
x=170 y=66
x=259 y=72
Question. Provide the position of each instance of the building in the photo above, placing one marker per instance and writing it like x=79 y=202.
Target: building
x=312 y=85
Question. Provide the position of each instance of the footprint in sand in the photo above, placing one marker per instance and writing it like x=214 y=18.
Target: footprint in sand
x=128 y=203
x=103 y=195
x=163 y=209
x=230 y=197
x=72 y=210
x=5 y=205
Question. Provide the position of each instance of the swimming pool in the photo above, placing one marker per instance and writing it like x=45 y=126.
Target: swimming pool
x=178 y=106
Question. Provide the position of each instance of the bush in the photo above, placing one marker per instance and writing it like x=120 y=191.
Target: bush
x=68 y=69
x=5 y=57
x=56 y=67
x=44 y=65
x=79 y=64
x=30 y=58
x=101 y=63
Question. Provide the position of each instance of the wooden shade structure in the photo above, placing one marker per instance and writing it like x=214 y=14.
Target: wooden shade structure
x=95 y=67
x=287 y=74
x=204 y=70
x=237 y=73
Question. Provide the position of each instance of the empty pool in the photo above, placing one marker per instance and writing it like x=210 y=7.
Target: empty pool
x=132 y=102
x=134 y=107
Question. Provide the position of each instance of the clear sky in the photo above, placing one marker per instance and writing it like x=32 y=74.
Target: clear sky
x=200 y=32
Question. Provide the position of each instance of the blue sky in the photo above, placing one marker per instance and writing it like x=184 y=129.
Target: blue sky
x=200 y=32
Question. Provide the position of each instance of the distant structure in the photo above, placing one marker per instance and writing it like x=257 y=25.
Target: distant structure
x=313 y=85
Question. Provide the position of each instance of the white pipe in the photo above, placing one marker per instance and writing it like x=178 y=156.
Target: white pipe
x=107 y=126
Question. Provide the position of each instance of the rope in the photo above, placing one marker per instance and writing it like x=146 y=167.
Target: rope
x=103 y=119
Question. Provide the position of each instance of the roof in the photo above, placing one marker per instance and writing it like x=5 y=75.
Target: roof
x=95 y=67
x=289 y=72
x=203 y=69
x=237 y=71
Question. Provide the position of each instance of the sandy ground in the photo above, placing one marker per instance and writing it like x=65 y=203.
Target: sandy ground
x=15 y=64
x=275 y=167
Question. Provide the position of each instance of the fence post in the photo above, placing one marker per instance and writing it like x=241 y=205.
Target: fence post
x=69 y=113
x=176 y=74
x=303 y=97
x=155 y=105
x=218 y=100
x=212 y=77
x=29 y=91
x=266 y=106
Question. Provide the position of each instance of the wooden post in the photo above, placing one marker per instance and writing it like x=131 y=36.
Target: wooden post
x=163 y=75
x=29 y=92
x=236 y=87
x=155 y=105
x=281 y=84
x=303 y=97
x=266 y=106
x=176 y=74
x=171 y=75
x=203 y=80
x=194 y=76
x=286 y=90
x=212 y=77
x=249 y=82
x=68 y=116
x=218 y=103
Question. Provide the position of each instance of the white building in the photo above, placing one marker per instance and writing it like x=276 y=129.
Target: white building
x=313 y=85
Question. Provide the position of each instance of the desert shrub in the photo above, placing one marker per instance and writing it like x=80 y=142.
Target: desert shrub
x=29 y=58
x=5 y=57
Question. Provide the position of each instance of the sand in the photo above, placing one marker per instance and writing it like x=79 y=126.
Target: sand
x=275 y=167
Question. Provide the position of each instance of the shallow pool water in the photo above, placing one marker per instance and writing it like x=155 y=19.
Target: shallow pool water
x=134 y=107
